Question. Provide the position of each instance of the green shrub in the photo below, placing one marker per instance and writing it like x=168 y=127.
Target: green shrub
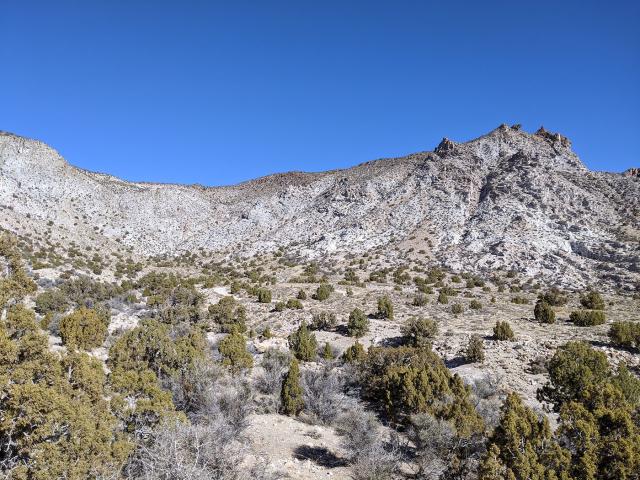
x=475 y=305
x=521 y=444
x=279 y=306
x=385 y=308
x=327 y=352
x=57 y=414
x=355 y=353
x=84 y=328
x=358 y=324
x=51 y=301
x=233 y=349
x=266 y=333
x=544 y=313
x=227 y=314
x=303 y=343
x=625 y=334
x=291 y=393
x=294 y=304
x=553 y=297
x=587 y=318
x=408 y=380
x=155 y=346
x=323 y=321
x=420 y=300
x=457 y=309
x=592 y=300
x=323 y=292
x=419 y=332
x=518 y=300
x=503 y=331
x=443 y=298
x=264 y=295
x=474 y=352
x=302 y=295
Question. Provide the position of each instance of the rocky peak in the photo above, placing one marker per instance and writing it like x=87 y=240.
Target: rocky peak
x=632 y=172
x=445 y=148
x=553 y=137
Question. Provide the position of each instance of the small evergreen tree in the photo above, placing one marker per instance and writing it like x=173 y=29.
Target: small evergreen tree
x=385 y=308
x=358 y=324
x=303 y=343
x=84 y=329
x=503 y=331
x=592 y=300
x=419 y=331
x=233 y=349
x=323 y=292
x=264 y=295
x=522 y=447
x=474 y=353
x=587 y=318
x=355 y=353
x=543 y=312
x=291 y=393
x=327 y=352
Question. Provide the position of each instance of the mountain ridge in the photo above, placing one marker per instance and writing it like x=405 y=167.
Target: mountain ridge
x=507 y=199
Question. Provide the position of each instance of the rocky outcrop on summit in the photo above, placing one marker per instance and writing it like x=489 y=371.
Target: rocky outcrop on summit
x=507 y=199
x=632 y=172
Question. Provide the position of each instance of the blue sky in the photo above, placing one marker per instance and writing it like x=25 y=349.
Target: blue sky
x=219 y=92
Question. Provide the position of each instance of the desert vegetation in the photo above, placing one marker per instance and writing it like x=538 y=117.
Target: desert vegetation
x=190 y=367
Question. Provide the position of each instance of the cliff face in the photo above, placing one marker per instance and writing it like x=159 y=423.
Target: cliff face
x=509 y=198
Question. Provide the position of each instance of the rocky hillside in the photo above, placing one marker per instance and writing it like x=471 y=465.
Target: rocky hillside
x=508 y=199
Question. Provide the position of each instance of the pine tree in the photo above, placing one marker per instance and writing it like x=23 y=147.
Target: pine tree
x=385 y=308
x=291 y=394
x=523 y=445
x=358 y=324
x=303 y=343
x=327 y=352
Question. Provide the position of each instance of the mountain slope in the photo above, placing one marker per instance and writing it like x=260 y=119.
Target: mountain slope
x=507 y=199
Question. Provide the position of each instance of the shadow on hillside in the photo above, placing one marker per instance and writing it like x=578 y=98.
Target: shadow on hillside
x=321 y=456
x=455 y=362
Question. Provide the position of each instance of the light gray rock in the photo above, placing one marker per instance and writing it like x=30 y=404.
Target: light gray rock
x=507 y=199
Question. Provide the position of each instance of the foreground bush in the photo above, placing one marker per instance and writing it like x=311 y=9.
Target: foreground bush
x=55 y=416
x=587 y=318
x=522 y=446
x=84 y=329
x=323 y=394
x=599 y=426
x=407 y=380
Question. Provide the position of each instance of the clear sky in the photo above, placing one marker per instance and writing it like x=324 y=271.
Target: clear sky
x=219 y=92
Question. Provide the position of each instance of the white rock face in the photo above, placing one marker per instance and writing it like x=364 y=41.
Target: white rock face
x=507 y=199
